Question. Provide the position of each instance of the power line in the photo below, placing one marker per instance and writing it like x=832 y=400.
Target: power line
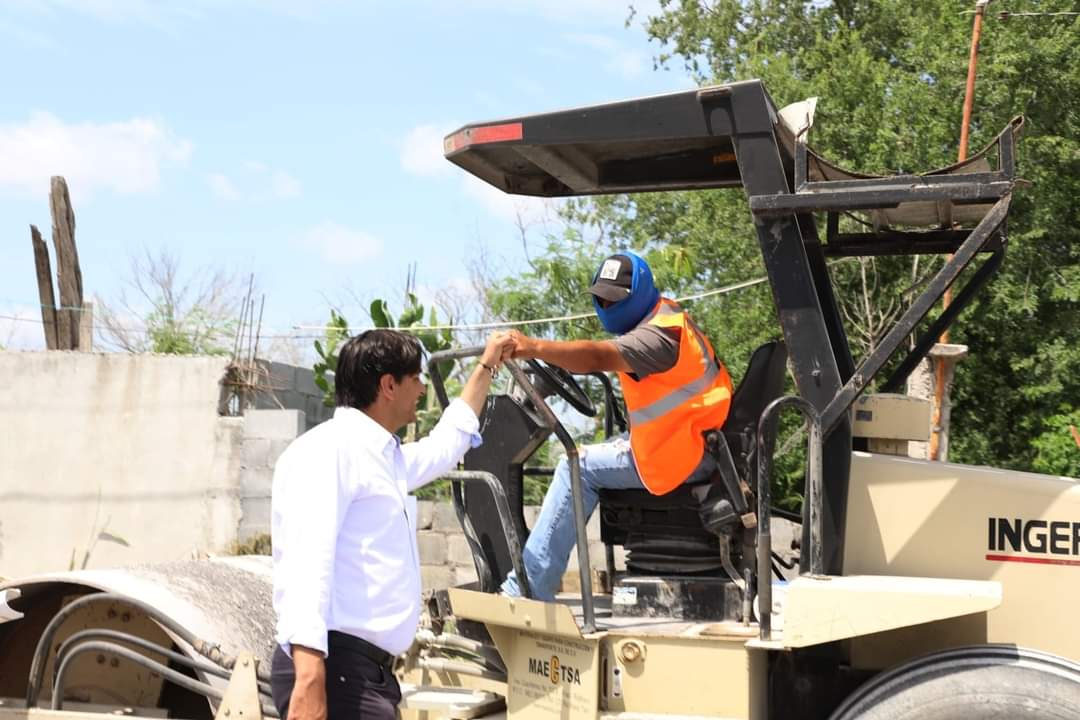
x=199 y=329
x=279 y=335
x=537 y=321
x=1006 y=14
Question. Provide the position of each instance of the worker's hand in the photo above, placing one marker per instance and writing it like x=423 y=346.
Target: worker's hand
x=498 y=349
x=524 y=346
x=308 y=700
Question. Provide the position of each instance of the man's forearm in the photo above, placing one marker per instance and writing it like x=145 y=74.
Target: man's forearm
x=309 y=663
x=476 y=388
x=579 y=356
x=308 y=700
x=496 y=350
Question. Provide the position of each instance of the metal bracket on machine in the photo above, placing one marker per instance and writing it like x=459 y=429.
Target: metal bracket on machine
x=241 y=701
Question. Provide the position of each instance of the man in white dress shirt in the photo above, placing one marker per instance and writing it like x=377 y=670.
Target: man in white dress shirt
x=346 y=567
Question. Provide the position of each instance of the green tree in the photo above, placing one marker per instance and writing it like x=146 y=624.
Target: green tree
x=162 y=309
x=890 y=75
x=1057 y=449
x=337 y=330
x=410 y=320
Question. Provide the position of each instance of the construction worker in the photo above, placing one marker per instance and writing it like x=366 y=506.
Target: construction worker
x=675 y=389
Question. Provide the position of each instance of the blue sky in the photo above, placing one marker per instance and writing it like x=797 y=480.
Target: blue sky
x=298 y=141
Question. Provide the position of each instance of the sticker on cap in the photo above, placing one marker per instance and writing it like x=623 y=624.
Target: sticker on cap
x=610 y=269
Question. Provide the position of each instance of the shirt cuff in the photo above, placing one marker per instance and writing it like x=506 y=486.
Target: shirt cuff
x=461 y=417
x=313 y=638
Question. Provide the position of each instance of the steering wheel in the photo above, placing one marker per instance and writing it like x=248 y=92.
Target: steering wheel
x=564 y=385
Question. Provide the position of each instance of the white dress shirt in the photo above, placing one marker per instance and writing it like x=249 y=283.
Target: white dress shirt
x=344 y=527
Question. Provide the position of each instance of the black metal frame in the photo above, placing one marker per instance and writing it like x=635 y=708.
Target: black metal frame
x=961 y=300
x=865 y=192
x=872 y=363
x=766 y=438
x=937 y=242
x=506 y=521
x=730 y=136
x=573 y=459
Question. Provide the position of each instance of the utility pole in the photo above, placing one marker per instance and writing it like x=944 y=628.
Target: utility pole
x=969 y=90
x=941 y=374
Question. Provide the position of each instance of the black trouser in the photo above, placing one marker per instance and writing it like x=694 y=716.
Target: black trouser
x=360 y=683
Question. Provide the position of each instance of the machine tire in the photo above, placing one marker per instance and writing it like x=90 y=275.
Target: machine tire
x=985 y=682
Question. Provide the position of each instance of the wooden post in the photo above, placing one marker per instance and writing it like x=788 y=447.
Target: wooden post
x=932 y=380
x=68 y=274
x=86 y=327
x=45 y=287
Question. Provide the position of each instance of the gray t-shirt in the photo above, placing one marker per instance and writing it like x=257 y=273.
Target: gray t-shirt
x=648 y=349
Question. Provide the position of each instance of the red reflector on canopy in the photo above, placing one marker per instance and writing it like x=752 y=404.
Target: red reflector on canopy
x=482 y=135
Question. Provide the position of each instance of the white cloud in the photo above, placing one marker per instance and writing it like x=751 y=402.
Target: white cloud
x=625 y=63
x=223 y=187
x=336 y=243
x=422 y=151
x=284 y=185
x=257 y=181
x=170 y=18
x=124 y=157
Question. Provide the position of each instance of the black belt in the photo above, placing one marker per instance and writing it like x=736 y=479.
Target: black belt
x=344 y=641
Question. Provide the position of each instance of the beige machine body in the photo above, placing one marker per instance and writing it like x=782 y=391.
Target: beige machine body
x=940 y=520
x=937 y=555
x=911 y=517
x=651 y=669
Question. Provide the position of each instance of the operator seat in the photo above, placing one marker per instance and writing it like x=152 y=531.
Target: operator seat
x=664 y=534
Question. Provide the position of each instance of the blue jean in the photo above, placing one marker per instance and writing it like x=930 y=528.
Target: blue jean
x=608 y=466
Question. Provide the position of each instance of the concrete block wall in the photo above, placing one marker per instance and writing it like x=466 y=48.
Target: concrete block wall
x=445 y=559
x=122 y=459
x=266 y=435
x=115 y=458
x=291 y=388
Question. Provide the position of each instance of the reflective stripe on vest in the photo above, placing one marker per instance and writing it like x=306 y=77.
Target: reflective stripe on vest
x=674 y=399
x=669 y=411
x=679 y=395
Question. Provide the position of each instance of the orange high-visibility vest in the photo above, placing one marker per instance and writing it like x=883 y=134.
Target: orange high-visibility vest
x=669 y=411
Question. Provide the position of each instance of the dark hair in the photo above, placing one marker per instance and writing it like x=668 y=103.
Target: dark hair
x=364 y=359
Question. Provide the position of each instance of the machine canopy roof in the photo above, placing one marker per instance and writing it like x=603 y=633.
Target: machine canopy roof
x=676 y=141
